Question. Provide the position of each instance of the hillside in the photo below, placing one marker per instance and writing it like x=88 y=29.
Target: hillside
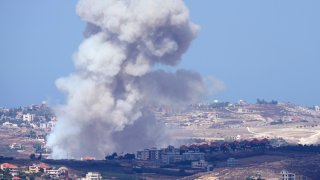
x=221 y=121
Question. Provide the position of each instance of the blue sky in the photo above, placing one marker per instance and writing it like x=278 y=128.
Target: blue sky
x=259 y=49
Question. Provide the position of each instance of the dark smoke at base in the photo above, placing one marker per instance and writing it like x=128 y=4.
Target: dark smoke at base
x=145 y=132
x=114 y=82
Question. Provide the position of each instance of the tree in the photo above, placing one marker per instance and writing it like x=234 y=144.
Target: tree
x=32 y=176
x=129 y=156
x=40 y=156
x=111 y=157
x=182 y=171
x=32 y=134
x=22 y=174
x=41 y=170
x=32 y=156
x=37 y=146
x=6 y=174
x=46 y=176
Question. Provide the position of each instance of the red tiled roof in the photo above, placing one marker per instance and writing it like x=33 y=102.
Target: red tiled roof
x=7 y=165
x=89 y=158
x=44 y=166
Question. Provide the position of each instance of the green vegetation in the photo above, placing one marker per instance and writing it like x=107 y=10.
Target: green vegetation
x=5 y=174
x=257 y=177
x=262 y=101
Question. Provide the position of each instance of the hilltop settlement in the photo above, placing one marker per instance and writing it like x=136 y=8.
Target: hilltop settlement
x=218 y=140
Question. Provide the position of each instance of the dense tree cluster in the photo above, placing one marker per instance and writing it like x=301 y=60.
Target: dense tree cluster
x=114 y=155
x=226 y=147
x=262 y=101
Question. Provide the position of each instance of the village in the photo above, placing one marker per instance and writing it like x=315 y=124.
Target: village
x=40 y=171
x=172 y=162
x=24 y=154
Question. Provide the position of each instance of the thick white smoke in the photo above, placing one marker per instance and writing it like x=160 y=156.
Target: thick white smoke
x=107 y=96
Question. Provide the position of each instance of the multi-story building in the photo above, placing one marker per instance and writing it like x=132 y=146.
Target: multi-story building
x=143 y=155
x=43 y=125
x=232 y=162
x=202 y=164
x=170 y=150
x=28 y=117
x=93 y=176
x=61 y=173
x=51 y=124
x=149 y=154
x=301 y=177
x=193 y=156
x=286 y=175
x=154 y=154
x=171 y=158
x=33 y=169
x=53 y=173
x=168 y=155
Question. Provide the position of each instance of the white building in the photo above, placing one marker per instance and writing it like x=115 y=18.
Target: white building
x=28 y=117
x=53 y=173
x=19 y=115
x=43 y=125
x=202 y=164
x=93 y=176
x=278 y=142
x=171 y=158
x=16 y=146
x=61 y=173
x=238 y=137
x=316 y=108
x=285 y=175
x=154 y=154
x=193 y=156
x=9 y=125
x=143 y=155
x=232 y=162
x=51 y=124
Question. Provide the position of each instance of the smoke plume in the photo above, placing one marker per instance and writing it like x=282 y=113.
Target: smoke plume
x=114 y=82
